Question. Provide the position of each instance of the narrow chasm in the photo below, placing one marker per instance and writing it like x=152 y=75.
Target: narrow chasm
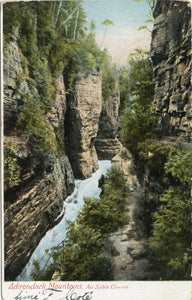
x=97 y=146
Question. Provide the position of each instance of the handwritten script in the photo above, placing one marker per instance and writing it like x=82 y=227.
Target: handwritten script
x=48 y=293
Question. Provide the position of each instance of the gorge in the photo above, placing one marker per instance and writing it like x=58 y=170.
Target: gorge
x=60 y=125
x=72 y=205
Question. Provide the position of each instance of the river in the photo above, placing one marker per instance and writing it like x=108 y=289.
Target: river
x=72 y=205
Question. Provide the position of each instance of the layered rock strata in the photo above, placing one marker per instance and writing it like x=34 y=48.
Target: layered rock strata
x=45 y=180
x=107 y=143
x=171 y=56
x=81 y=123
x=12 y=69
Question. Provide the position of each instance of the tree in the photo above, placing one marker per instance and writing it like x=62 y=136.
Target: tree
x=170 y=243
x=83 y=257
x=108 y=76
x=11 y=167
x=124 y=88
x=138 y=117
x=150 y=19
x=106 y=23
x=108 y=214
x=83 y=254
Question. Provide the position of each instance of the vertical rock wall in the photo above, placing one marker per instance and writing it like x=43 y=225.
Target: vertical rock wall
x=81 y=123
x=12 y=70
x=31 y=205
x=171 y=56
x=107 y=144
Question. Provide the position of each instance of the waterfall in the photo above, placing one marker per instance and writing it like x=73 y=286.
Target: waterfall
x=72 y=205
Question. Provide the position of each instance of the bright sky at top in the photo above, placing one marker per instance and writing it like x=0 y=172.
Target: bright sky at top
x=122 y=37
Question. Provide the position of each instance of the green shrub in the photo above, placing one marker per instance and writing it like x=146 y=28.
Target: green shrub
x=84 y=255
x=170 y=242
x=180 y=164
x=155 y=155
x=109 y=213
x=137 y=85
x=11 y=167
x=34 y=122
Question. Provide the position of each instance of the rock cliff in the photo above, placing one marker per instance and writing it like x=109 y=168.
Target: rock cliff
x=39 y=178
x=33 y=202
x=107 y=143
x=171 y=56
x=84 y=106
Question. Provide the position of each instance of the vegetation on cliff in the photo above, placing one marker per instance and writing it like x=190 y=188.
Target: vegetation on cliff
x=53 y=37
x=84 y=255
x=171 y=255
x=168 y=165
x=137 y=90
x=12 y=170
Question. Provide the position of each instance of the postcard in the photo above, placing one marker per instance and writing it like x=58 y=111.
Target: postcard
x=96 y=151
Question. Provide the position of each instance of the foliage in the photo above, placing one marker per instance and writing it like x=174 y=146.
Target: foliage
x=138 y=118
x=87 y=55
x=155 y=155
x=105 y=23
x=83 y=257
x=108 y=76
x=170 y=243
x=52 y=38
x=150 y=19
x=171 y=238
x=180 y=164
x=106 y=215
x=124 y=88
x=38 y=275
x=33 y=121
x=46 y=32
x=11 y=167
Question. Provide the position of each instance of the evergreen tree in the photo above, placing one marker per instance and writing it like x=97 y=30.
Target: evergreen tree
x=138 y=117
x=170 y=243
x=83 y=256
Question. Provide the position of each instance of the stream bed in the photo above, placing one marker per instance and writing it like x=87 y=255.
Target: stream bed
x=71 y=206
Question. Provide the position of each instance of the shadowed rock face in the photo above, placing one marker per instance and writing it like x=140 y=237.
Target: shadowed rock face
x=45 y=180
x=171 y=56
x=81 y=124
x=28 y=219
x=87 y=124
x=171 y=50
x=12 y=69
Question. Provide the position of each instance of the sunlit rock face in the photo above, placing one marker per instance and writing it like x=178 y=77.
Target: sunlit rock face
x=45 y=180
x=171 y=56
x=107 y=143
x=84 y=106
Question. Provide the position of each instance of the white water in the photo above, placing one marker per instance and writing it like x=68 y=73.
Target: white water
x=72 y=205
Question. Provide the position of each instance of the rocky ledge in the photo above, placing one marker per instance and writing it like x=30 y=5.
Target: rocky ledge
x=129 y=243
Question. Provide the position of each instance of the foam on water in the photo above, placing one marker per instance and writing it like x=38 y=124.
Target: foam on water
x=72 y=205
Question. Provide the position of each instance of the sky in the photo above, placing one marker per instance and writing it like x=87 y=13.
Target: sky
x=123 y=37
